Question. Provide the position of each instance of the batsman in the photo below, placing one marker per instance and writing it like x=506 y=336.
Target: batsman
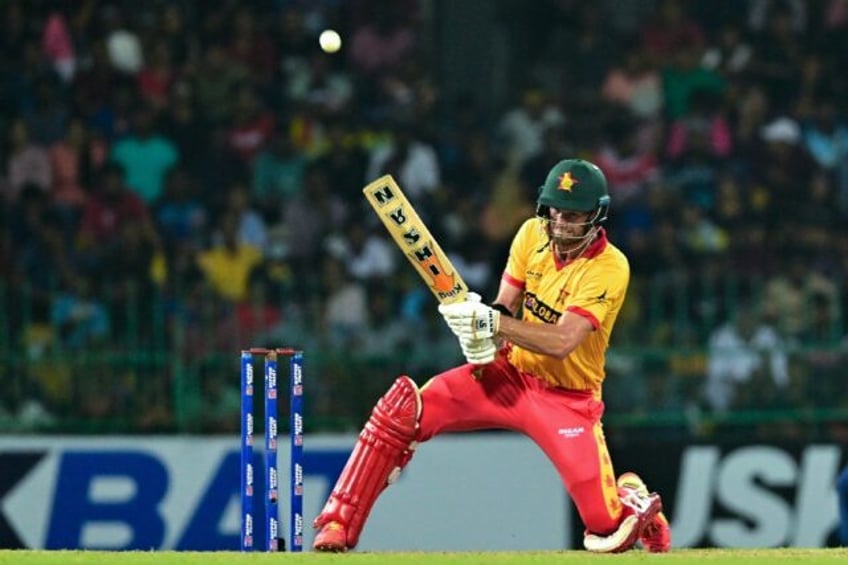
x=535 y=366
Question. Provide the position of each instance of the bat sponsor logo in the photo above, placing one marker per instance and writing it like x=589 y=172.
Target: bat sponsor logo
x=440 y=280
x=413 y=237
x=398 y=216
x=383 y=195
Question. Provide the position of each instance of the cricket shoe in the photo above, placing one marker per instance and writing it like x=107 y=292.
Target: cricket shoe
x=331 y=538
x=656 y=533
x=640 y=508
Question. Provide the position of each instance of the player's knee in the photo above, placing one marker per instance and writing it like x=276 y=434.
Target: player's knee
x=396 y=415
x=437 y=406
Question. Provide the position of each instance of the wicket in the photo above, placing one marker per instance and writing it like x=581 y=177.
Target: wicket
x=272 y=529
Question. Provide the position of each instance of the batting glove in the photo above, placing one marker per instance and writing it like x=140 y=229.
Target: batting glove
x=478 y=351
x=471 y=319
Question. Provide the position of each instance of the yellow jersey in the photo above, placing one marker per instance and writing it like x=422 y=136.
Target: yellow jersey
x=593 y=286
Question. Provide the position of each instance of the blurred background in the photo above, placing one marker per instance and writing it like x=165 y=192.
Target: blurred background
x=182 y=179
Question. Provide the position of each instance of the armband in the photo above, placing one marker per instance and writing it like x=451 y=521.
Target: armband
x=502 y=309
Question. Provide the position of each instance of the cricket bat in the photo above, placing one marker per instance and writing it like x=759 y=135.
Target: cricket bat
x=415 y=240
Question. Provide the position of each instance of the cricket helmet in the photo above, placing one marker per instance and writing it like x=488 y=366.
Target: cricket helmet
x=575 y=184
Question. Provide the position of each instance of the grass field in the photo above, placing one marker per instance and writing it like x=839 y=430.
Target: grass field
x=711 y=556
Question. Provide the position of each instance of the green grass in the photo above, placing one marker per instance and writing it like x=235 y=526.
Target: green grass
x=711 y=556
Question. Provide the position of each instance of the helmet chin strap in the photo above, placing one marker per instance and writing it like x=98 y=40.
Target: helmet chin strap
x=585 y=240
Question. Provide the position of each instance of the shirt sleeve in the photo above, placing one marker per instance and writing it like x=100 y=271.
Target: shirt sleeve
x=602 y=288
x=516 y=265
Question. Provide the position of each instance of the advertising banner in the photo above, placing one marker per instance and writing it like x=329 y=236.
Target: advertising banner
x=472 y=492
x=750 y=495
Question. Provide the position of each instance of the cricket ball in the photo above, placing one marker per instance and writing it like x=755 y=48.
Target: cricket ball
x=330 y=41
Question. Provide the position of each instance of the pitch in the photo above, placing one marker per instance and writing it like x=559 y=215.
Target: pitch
x=712 y=556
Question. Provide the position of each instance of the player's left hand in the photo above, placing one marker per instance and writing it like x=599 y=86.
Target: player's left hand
x=471 y=319
x=479 y=351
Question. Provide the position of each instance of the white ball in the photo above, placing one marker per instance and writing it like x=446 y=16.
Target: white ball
x=330 y=41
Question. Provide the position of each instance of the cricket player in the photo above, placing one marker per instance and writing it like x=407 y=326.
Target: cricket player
x=540 y=374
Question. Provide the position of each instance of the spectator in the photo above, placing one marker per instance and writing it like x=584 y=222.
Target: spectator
x=345 y=311
x=258 y=318
x=343 y=161
x=41 y=254
x=251 y=228
x=382 y=42
x=411 y=160
x=250 y=46
x=173 y=29
x=252 y=127
x=729 y=53
x=28 y=163
x=741 y=351
x=629 y=166
x=788 y=295
x=214 y=82
x=761 y=12
x=520 y=131
x=309 y=219
x=57 y=45
x=228 y=264
x=635 y=84
x=367 y=256
x=778 y=55
x=80 y=318
x=182 y=123
x=110 y=206
x=157 y=76
x=671 y=31
x=685 y=75
x=277 y=175
x=825 y=137
x=325 y=90
x=95 y=81
x=702 y=127
x=181 y=217
x=73 y=161
x=47 y=116
x=146 y=156
x=699 y=233
x=779 y=163
x=585 y=53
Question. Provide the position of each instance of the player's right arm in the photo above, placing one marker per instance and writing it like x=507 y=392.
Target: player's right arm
x=509 y=296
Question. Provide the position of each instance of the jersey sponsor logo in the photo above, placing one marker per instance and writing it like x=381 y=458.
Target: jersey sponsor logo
x=540 y=310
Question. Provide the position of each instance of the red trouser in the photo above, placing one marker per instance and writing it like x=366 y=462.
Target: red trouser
x=565 y=424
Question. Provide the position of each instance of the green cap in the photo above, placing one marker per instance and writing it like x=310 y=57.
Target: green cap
x=574 y=184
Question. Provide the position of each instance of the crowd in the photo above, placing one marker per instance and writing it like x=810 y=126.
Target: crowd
x=184 y=178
